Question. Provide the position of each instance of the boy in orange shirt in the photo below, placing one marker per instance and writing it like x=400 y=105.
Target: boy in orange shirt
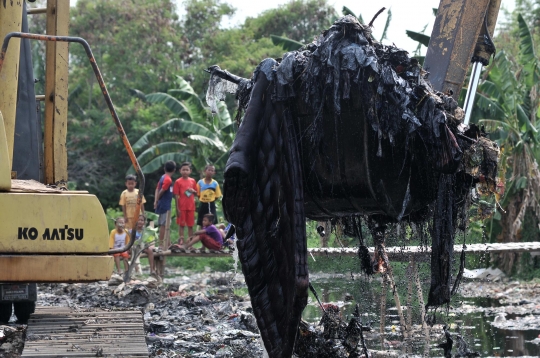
x=128 y=201
x=185 y=190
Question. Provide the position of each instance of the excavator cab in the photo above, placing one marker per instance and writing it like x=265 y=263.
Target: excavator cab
x=49 y=233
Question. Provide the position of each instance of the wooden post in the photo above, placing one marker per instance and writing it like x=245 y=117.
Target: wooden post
x=56 y=93
x=410 y=279
x=420 y=297
x=404 y=327
x=383 y=309
x=10 y=21
x=164 y=245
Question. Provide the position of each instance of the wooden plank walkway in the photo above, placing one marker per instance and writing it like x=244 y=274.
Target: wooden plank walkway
x=396 y=253
x=66 y=332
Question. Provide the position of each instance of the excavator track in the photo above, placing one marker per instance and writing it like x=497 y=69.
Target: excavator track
x=70 y=332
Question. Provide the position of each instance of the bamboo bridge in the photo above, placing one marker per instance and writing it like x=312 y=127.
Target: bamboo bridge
x=395 y=253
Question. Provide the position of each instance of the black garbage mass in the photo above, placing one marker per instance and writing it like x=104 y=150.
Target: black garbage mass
x=350 y=130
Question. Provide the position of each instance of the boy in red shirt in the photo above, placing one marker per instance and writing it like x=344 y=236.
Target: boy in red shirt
x=185 y=190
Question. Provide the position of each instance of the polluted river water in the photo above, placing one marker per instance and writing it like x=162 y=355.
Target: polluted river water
x=495 y=319
x=209 y=314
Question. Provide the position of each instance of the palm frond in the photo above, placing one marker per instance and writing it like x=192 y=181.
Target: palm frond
x=387 y=24
x=490 y=89
x=185 y=92
x=489 y=107
x=177 y=127
x=346 y=11
x=208 y=141
x=286 y=43
x=158 y=149
x=526 y=45
x=224 y=115
x=418 y=37
x=158 y=163
x=524 y=119
x=137 y=94
x=74 y=93
x=175 y=106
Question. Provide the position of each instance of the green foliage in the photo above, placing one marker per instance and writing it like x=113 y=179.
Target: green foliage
x=135 y=43
x=421 y=38
x=297 y=20
x=112 y=215
x=240 y=49
x=346 y=11
x=179 y=128
x=386 y=25
x=173 y=104
x=507 y=104
x=287 y=44
x=196 y=135
x=203 y=19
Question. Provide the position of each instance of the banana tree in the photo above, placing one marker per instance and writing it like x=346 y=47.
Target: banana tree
x=507 y=104
x=192 y=134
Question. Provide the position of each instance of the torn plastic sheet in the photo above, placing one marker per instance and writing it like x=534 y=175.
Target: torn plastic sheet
x=217 y=90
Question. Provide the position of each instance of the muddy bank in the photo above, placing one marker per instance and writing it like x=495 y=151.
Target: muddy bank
x=196 y=315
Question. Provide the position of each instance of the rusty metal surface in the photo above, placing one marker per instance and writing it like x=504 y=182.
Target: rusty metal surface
x=66 y=332
x=452 y=43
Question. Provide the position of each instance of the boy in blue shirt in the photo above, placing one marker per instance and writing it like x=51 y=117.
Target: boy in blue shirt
x=163 y=197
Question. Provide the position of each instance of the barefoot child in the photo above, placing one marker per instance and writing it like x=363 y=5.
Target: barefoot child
x=118 y=239
x=185 y=190
x=210 y=236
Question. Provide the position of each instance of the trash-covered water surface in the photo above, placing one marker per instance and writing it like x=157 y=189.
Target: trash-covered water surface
x=209 y=315
x=346 y=130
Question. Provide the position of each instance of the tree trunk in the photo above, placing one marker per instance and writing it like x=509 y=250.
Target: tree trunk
x=505 y=261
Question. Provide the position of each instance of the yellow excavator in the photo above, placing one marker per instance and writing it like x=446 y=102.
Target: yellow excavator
x=49 y=233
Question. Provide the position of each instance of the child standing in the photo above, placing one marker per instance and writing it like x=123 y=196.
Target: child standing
x=128 y=201
x=210 y=236
x=118 y=239
x=163 y=197
x=208 y=192
x=185 y=190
